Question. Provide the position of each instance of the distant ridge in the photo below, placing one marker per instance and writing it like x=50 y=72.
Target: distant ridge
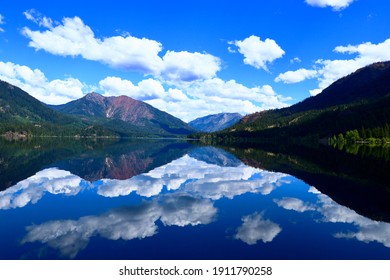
x=212 y=123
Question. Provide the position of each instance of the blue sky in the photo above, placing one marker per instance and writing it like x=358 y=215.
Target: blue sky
x=189 y=58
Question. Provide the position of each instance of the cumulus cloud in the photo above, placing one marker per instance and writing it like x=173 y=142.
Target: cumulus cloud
x=297 y=76
x=255 y=228
x=295 y=204
x=335 y=4
x=264 y=95
x=73 y=37
x=187 y=67
x=258 y=53
x=35 y=83
x=145 y=90
x=32 y=189
x=127 y=223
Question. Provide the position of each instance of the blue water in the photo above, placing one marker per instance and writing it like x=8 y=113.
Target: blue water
x=203 y=204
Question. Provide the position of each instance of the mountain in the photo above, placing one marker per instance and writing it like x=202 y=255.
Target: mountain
x=359 y=101
x=216 y=156
x=212 y=123
x=124 y=115
x=22 y=115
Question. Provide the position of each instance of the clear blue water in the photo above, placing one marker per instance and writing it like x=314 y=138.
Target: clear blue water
x=196 y=203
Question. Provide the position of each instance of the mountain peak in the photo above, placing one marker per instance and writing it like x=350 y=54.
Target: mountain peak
x=124 y=115
x=94 y=96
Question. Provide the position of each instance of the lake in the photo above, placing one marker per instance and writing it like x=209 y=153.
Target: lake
x=155 y=199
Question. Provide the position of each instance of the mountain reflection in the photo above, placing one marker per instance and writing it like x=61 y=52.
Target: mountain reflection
x=123 y=160
x=91 y=160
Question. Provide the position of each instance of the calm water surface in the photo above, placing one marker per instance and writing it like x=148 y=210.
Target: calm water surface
x=175 y=200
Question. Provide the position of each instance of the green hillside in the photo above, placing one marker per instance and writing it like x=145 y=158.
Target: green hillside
x=23 y=115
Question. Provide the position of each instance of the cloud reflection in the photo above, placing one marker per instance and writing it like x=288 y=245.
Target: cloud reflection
x=32 y=189
x=127 y=223
x=295 y=204
x=197 y=177
x=186 y=175
x=367 y=229
x=255 y=228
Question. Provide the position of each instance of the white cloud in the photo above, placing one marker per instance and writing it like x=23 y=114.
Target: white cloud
x=38 y=18
x=258 y=53
x=145 y=90
x=335 y=4
x=74 y=38
x=255 y=228
x=35 y=83
x=32 y=189
x=295 y=204
x=231 y=50
x=295 y=60
x=187 y=67
x=297 y=76
x=2 y=21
